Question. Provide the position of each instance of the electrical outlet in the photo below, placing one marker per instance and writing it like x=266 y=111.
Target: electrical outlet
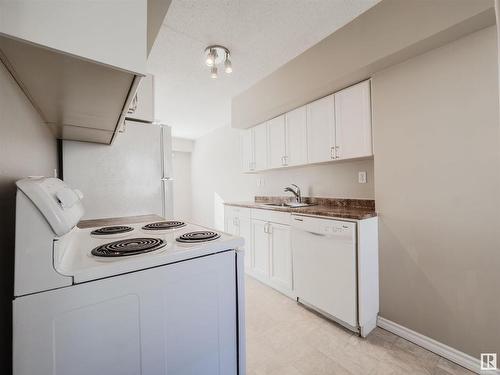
x=362 y=177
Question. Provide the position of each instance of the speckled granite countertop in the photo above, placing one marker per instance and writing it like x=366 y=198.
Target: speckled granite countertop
x=354 y=209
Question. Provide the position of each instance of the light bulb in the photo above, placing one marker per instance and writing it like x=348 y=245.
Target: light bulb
x=228 y=67
x=212 y=55
x=210 y=59
x=213 y=72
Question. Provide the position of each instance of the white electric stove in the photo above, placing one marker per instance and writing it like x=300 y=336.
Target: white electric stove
x=145 y=298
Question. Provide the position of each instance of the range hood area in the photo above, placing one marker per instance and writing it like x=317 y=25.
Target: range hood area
x=79 y=99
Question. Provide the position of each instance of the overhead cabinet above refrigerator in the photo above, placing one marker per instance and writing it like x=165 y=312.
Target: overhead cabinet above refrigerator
x=78 y=62
x=142 y=108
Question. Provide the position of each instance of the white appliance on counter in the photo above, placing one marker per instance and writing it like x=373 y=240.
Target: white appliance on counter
x=141 y=299
x=335 y=269
x=133 y=176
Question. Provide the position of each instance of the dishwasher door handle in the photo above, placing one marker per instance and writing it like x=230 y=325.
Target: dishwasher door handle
x=317 y=234
x=313 y=233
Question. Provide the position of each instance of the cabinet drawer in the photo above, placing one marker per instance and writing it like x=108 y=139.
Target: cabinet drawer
x=241 y=212
x=272 y=216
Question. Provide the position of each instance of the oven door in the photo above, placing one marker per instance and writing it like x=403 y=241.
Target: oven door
x=176 y=319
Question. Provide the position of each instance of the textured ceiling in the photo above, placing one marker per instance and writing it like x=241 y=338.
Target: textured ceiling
x=261 y=34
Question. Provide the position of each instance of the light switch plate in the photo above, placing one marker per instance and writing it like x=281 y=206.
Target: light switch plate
x=362 y=177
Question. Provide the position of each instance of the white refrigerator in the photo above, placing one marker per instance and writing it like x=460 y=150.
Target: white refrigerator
x=133 y=176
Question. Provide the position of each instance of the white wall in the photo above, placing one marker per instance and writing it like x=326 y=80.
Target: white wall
x=217 y=178
x=437 y=190
x=182 y=144
x=216 y=175
x=181 y=162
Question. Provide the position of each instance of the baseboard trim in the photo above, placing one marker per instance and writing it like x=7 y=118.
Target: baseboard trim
x=445 y=351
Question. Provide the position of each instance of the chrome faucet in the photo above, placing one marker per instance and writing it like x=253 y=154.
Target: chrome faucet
x=295 y=190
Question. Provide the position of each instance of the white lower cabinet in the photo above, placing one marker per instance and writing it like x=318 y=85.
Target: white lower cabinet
x=237 y=222
x=245 y=231
x=260 y=244
x=272 y=252
x=268 y=251
x=280 y=257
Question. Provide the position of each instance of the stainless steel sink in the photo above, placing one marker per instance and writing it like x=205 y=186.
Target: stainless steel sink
x=298 y=205
x=289 y=204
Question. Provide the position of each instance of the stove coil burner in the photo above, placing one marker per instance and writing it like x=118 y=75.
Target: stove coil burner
x=162 y=225
x=111 y=230
x=198 y=236
x=131 y=246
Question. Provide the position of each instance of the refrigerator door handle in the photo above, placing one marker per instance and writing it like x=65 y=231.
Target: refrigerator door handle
x=167 y=179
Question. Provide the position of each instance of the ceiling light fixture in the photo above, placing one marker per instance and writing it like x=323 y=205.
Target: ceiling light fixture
x=217 y=55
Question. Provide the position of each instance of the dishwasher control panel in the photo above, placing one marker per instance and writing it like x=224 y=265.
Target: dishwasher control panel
x=323 y=226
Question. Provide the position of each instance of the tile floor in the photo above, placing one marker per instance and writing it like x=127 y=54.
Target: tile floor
x=283 y=338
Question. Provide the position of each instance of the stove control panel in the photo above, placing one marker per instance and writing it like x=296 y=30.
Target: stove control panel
x=59 y=204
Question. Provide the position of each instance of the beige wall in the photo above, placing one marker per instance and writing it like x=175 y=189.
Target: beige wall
x=26 y=148
x=437 y=190
x=217 y=178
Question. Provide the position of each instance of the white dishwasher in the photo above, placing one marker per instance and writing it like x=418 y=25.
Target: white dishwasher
x=324 y=267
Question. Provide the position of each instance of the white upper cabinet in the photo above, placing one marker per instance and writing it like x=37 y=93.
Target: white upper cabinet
x=79 y=62
x=260 y=146
x=246 y=147
x=277 y=141
x=254 y=148
x=321 y=129
x=296 y=137
x=353 y=127
x=110 y=32
x=142 y=108
x=335 y=127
